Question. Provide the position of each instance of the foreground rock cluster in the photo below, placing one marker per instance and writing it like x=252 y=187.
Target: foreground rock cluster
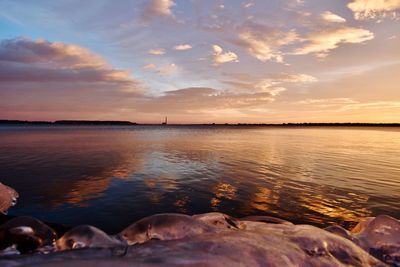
x=211 y=239
x=8 y=197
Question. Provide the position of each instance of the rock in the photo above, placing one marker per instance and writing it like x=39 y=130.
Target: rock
x=216 y=239
x=380 y=236
x=27 y=233
x=220 y=220
x=271 y=245
x=86 y=236
x=167 y=226
x=8 y=197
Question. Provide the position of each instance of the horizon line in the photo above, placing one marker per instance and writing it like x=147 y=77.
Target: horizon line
x=127 y=123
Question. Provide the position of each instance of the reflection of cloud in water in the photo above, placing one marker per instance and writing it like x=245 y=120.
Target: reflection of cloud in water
x=223 y=191
x=159 y=186
x=181 y=203
x=289 y=173
x=155 y=198
x=266 y=199
x=164 y=172
x=91 y=187
x=338 y=208
x=263 y=199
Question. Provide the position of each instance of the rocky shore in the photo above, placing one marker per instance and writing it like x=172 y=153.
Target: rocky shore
x=211 y=239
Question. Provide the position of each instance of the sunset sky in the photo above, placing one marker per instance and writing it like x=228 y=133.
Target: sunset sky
x=201 y=61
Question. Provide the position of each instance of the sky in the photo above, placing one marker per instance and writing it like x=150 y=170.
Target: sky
x=200 y=61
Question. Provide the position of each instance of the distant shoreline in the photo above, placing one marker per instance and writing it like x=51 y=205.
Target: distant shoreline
x=128 y=123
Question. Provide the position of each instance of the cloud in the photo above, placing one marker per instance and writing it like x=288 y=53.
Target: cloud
x=157 y=51
x=370 y=9
x=264 y=42
x=327 y=102
x=247 y=5
x=331 y=17
x=164 y=70
x=220 y=57
x=149 y=66
x=371 y=105
x=181 y=47
x=24 y=50
x=40 y=61
x=348 y=104
x=322 y=42
x=167 y=69
x=202 y=99
x=157 y=9
x=264 y=86
x=273 y=83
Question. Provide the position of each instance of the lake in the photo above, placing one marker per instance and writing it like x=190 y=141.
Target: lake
x=113 y=175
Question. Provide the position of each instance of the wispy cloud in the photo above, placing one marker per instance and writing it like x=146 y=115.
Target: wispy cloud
x=167 y=69
x=247 y=5
x=331 y=17
x=199 y=99
x=321 y=42
x=156 y=51
x=149 y=66
x=264 y=42
x=182 y=47
x=273 y=83
x=163 y=70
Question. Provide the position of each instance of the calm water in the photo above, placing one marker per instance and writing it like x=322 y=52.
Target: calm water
x=112 y=176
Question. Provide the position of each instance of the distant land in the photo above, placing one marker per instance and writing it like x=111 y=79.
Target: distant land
x=128 y=123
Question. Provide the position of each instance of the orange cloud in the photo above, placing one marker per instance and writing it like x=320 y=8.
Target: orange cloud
x=157 y=51
x=322 y=42
x=201 y=99
x=164 y=70
x=221 y=57
x=370 y=9
x=331 y=17
x=158 y=8
x=263 y=42
x=181 y=47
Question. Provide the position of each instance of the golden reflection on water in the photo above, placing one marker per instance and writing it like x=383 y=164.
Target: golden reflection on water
x=336 y=208
x=181 y=203
x=222 y=191
x=92 y=187
x=336 y=175
x=156 y=198
x=263 y=199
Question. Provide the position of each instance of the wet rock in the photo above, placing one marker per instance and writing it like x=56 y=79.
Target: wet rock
x=86 y=236
x=338 y=230
x=168 y=226
x=215 y=239
x=272 y=245
x=380 y=236
x=220 y=220
x=265 y=219
x=26 y=233
x=8 y=197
